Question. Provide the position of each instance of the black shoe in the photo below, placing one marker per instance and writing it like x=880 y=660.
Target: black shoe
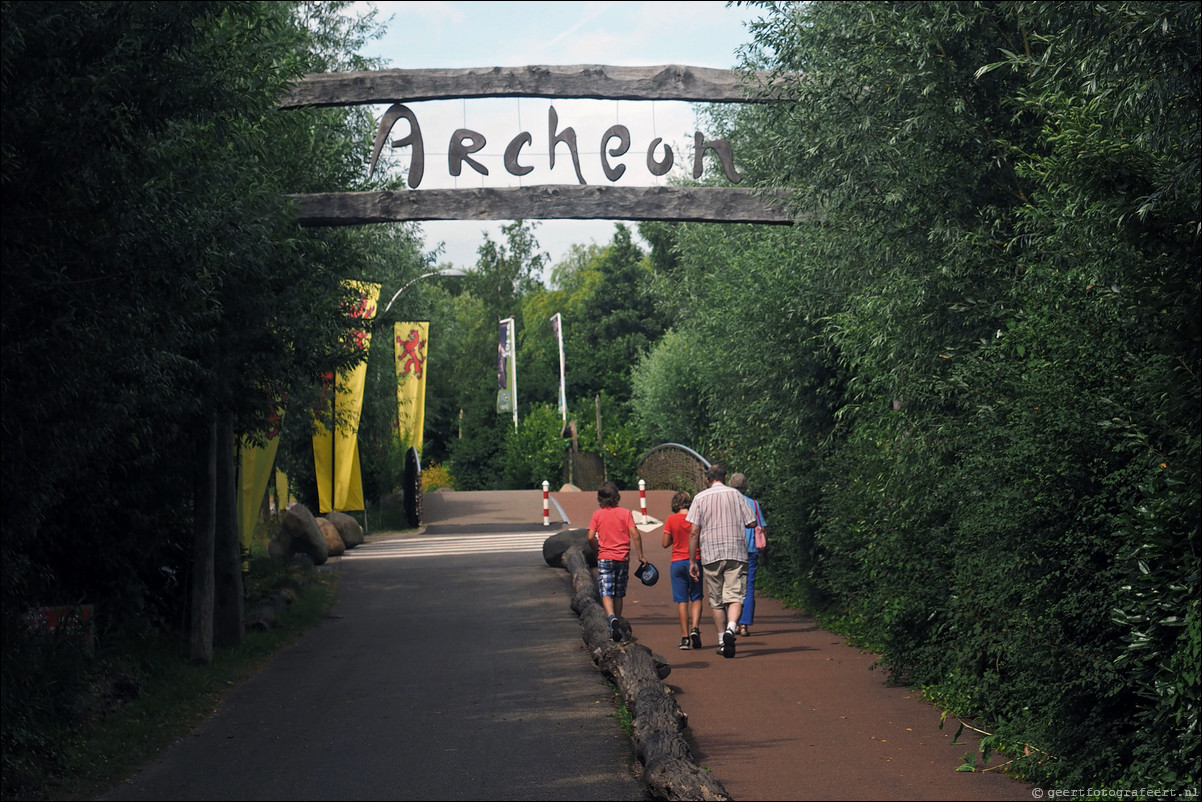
x=728 y=643
x=695 y=636
x=684 y=644
x=615 y=629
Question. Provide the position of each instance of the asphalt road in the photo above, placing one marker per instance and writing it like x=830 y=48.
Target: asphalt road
x=451 y=667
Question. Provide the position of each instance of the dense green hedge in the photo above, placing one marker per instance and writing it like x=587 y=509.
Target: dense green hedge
x=968 y=396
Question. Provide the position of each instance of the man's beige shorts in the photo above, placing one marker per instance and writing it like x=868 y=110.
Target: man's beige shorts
x=725 y=582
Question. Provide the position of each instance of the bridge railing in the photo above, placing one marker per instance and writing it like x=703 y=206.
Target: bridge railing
x=672 y=466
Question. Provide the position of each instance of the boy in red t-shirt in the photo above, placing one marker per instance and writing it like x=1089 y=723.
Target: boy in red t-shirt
x=686 y=591
x=611 y=531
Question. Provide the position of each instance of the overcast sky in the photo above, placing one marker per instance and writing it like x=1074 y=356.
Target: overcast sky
x=426 y=35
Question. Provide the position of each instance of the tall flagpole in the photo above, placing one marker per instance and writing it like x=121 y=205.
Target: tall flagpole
x=557 y=324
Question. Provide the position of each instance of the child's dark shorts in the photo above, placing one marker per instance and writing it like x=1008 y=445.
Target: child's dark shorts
x=684 y=587
x=612 y=576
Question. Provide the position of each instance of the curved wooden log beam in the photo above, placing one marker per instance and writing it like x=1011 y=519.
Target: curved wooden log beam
x=657 y=722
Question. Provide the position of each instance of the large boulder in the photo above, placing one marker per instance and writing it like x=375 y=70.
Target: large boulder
x=558 y=544
x=300 y=534
x=334 y=545
x=267 y=612
x=348 y=528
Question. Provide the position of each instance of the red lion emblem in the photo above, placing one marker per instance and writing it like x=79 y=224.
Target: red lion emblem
x=413 y=353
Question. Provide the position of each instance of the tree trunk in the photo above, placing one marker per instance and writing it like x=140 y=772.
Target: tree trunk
x=657 y=722
x=204 y=531
x=227 y=553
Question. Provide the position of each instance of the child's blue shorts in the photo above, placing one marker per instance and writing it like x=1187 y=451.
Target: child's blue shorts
x=684 y=587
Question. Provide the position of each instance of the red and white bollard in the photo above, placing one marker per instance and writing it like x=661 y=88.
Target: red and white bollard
x=546 y=507
x=643 y=499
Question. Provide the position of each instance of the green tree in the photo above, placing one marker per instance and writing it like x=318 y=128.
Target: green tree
x=614 y=324
x=534 y=450
x=502 y=283
x=668 y=392
x=968 y=376
x=506 y=272
x=538 y=348
x=153 y=284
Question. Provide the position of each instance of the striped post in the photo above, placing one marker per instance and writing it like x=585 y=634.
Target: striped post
x=546 y=506
x=643 y=499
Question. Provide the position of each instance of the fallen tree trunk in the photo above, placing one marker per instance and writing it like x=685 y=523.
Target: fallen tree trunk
x=657 y=722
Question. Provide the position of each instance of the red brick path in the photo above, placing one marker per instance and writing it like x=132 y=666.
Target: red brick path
x=797 y=714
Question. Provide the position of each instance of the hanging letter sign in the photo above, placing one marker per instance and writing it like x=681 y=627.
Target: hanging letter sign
x=465 y=142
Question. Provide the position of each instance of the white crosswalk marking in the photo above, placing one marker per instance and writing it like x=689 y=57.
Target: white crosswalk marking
x=449 y=544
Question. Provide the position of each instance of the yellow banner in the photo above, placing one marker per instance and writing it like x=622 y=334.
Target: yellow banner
x=411 y=340
x=323 y=464
x=348 y=487
x=336 y=456
x=254 y=473
x=283 y=493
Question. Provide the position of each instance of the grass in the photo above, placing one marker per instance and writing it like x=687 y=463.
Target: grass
x=622 y=712
x=143 y=696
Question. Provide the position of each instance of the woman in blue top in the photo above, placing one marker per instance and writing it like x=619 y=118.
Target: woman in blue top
x=739 y=482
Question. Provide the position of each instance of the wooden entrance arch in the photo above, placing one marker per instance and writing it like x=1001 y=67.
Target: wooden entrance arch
x=563 y=202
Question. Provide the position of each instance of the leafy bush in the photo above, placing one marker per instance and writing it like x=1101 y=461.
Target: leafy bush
x=534 y=450
x=971 y=388
x=435 y=477
x=622 y=448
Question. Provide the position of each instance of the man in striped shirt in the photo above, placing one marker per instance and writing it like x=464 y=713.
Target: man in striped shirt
x=718 y=524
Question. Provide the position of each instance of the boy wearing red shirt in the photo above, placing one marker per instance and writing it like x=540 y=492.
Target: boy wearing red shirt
x=686 y=591
x=611 y=531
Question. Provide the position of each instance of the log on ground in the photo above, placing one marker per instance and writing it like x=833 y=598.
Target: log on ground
x=657 y=722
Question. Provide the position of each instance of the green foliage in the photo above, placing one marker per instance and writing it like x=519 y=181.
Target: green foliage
x=610 y=321
x=746 y=373
x=602 y=429
x=77 y=722
x=621 y=449
x=955 y=386
x=467 y=370
x=477 y=459
x=181 y=285
x=621 y=711
x=461 y=371
x=666 y=390
x=46 y=678
x=603 y=295
x=152 y=278
x=534 y=451
x=436 y=477
x=538 y=348
x=505 y=272
x=1158 y=613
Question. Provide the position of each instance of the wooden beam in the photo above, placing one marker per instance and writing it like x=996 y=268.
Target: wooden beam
x=595 y=81
x=550 y=202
